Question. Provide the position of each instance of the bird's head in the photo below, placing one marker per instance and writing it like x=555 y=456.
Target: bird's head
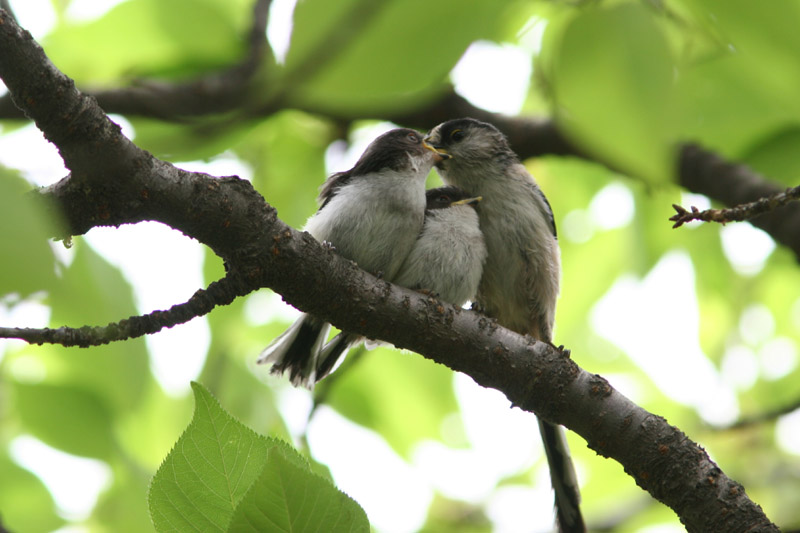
x=397 y=149
x=469 y=142
x=449 y=196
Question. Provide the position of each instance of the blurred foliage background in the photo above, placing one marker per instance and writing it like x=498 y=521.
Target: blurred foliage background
x=699 y=325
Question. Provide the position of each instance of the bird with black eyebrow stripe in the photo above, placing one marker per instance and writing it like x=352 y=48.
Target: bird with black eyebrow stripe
x=521 y=276
x=371 y=214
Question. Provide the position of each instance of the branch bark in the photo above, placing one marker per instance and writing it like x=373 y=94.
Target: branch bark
x=114 y=182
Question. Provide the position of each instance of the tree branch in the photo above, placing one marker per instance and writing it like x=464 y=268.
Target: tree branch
x=737 y=213
x=202 y=302
x=704 y=172
x=260 y=250
x=760 y=418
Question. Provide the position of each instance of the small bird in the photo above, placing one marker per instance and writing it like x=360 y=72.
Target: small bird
x=371 y=214
x=521 y=276
x=447 y=259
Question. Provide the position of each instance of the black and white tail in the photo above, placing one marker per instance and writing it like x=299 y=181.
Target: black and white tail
x=297 y=351
x=563 y=478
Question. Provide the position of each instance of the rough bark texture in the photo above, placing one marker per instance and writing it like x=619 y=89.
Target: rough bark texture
x=113 y=182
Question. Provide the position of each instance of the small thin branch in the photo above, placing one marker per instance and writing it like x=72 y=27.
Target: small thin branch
x=704 y=172
x=221 y=292
x=737 y=213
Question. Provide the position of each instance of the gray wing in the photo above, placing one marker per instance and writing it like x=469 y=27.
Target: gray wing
x=551 y=219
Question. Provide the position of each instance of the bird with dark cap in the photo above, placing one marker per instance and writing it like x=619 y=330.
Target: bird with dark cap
x=371 y=214
x=521 y=276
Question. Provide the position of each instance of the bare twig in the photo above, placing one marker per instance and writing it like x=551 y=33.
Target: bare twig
x=737 y=213
x=704 y=172
x=221 y=292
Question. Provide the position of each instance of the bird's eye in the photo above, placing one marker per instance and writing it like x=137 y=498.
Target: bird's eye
x=413 y=137
x=444 y=199
x=457 y=135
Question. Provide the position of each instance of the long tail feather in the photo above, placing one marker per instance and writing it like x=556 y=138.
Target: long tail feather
x=563 y=478
x=334 y=350
x=297 y=350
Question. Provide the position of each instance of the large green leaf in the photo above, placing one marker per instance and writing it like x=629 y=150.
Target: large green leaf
x=612 y=81
x=369 y=56
x=746 y=89
x=208 y=472
x=222 y=476
x=28 y=263
x=288 y=497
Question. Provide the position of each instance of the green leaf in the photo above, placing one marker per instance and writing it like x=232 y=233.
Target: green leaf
x=222 y=476
x=29 y=264
x=388 y=57
x=289 y=497
x=149 y=37
x=612 y=78
x=208 y=472
x=746 y=88
x=68 y=418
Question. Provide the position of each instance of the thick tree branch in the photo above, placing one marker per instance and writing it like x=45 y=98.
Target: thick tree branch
x=260 y=250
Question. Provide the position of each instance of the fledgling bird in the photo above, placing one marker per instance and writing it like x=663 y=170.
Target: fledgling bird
x=447 y=259
x=520 y=279
x=371 y=214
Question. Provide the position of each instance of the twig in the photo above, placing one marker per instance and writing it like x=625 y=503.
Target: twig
x=737 y=213
x=221 y=292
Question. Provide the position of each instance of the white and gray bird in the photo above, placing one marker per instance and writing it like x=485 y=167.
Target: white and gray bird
x=521 y=276
x=371 y=214
x=447 y=259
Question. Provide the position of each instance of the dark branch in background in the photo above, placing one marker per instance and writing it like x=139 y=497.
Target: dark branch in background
x=216 y=92
x=202 y=302
x=114 y=182
x=760 y=418
x=699 y=171
x=737 y=213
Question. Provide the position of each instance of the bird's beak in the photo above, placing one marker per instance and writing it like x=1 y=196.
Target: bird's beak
x=440 y=153
x=468 y=201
